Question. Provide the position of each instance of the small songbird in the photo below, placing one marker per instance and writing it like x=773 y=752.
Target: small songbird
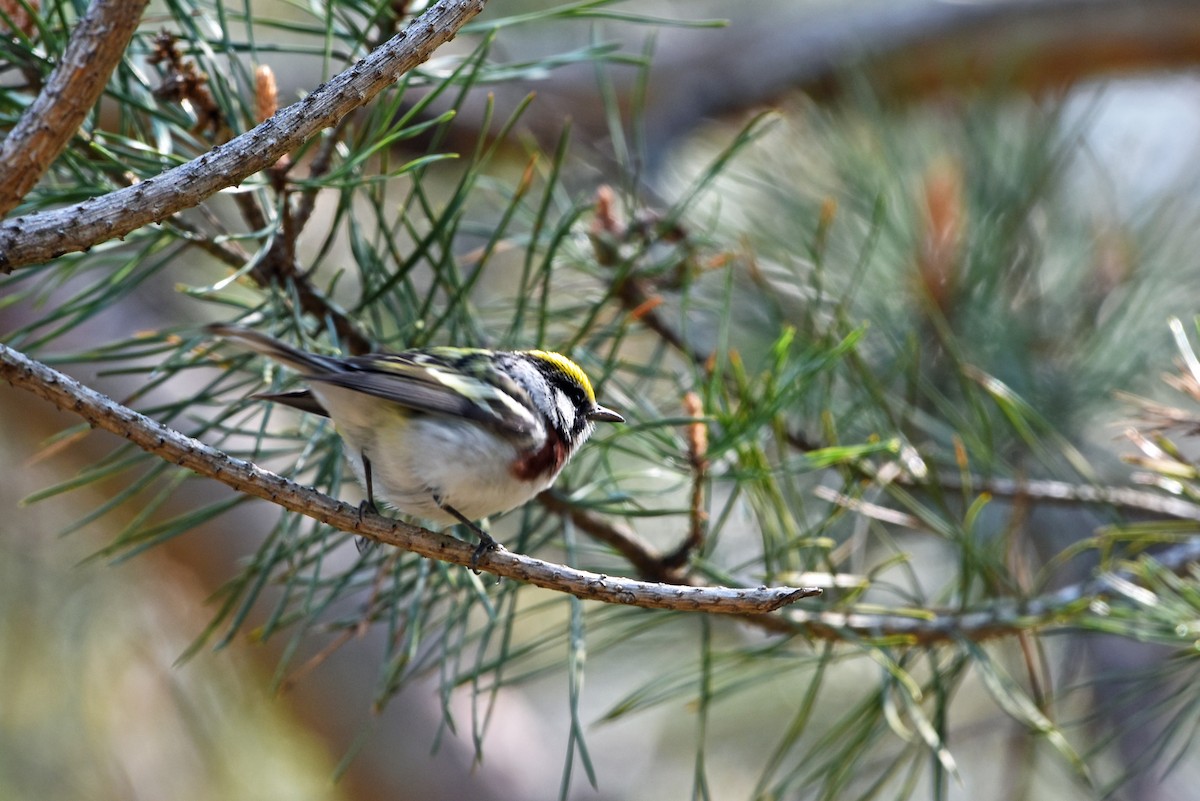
x=445 y=434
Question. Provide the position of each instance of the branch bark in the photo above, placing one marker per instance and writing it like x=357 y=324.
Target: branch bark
x=95 y=49
x=643 y=556
x=1062 y=493
x=904 y=51
x=1059 y=609
x=36 y=238
x=69 y=395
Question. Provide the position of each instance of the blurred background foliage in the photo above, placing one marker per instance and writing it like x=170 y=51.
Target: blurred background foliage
x=896 y=270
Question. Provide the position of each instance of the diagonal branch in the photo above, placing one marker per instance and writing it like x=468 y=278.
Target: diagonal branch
x=36 y=238
x=1059 y=609
x=95 y=49
x=69 y=395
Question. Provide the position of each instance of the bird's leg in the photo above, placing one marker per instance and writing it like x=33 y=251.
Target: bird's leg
x=486 y=542
x=362 y=543
x=369 y=504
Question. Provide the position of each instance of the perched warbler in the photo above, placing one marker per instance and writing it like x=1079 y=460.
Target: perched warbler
x=445 y=434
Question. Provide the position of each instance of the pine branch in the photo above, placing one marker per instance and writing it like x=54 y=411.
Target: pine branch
x=1000 y=619
x=1062 y=493
x=69 y=395
x=36 y=238
x=1058 y=609
x=644 y=557
x=45 y=127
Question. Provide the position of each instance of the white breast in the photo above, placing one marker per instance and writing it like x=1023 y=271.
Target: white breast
x=417 y=458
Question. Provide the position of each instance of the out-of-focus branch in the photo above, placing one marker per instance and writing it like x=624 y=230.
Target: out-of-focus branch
x=1041 y=492
x=281 y=265
x=644 y=557
x=697 y=439
x=1063 y=493
x=903 y=51
x=1060 y=609
x=45 y=127
x=36 y=238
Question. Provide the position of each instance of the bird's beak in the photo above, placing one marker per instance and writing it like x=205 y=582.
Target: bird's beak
x=602 y=415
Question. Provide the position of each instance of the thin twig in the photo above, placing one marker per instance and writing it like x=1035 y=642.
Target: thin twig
x=637 y=295
x=1054 y=610
x=278 y=266
x=320 y=165
x=874 y=511
x=312 y=300
x=228 y=252
x=69 y=395
x=697 y=438
x=638 y=298
x=643 y=556
x=36 y=238
x=1067 y=494
x=96 y=47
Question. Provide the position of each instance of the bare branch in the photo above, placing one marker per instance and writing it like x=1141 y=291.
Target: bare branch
x=95 y=49
x=69 y=395
x=1066 y=494
x=644 y=557
x=697 y=438
x=1054 y=610
x=280 y=264
x=829 y=51
x=36 y=238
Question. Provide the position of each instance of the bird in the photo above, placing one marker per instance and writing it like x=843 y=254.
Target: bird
x=445 y=434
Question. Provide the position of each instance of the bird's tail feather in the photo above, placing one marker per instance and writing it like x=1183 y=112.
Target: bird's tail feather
x=304 y=363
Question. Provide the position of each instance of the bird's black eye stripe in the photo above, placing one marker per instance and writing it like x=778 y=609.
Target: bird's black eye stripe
x=571 y=389
x=565 y=384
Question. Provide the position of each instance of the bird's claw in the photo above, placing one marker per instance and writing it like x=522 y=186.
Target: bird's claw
x=486 y=545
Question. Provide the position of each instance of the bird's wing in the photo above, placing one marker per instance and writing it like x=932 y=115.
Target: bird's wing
x=426 y=383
